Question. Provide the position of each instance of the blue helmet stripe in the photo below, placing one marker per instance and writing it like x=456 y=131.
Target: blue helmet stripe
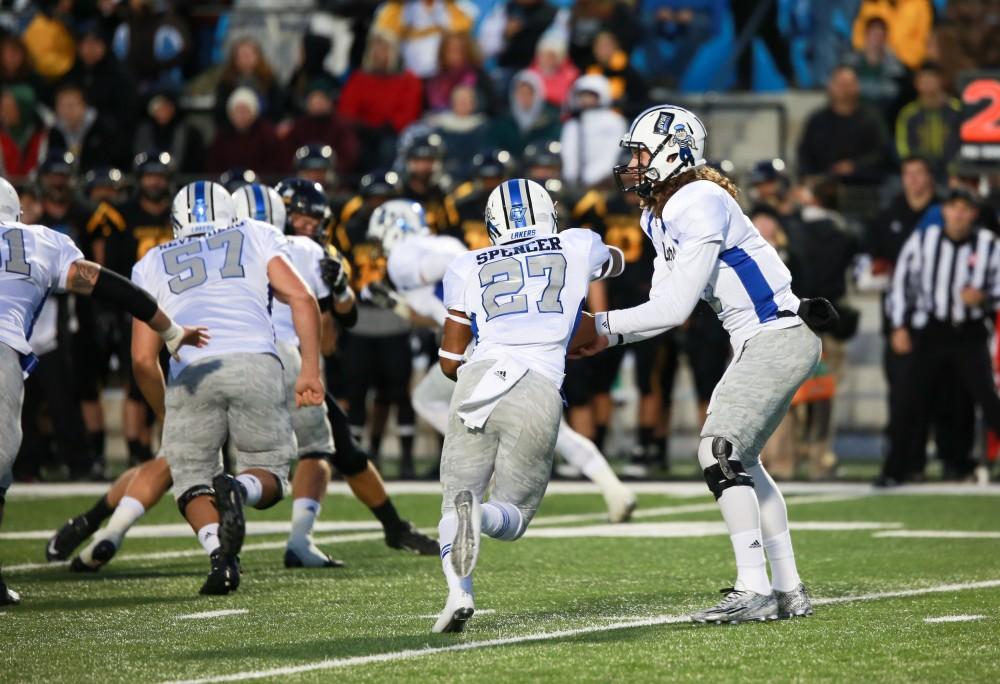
x=514 y=188
x=259 y=203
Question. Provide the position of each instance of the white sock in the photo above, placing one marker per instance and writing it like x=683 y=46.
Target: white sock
x=447 y=529
x=774 y=526
x=784 y=573
x=253 y=487
x=304 y=514
x=126 y=514
x=208 y=537
x=502 y=521
x=751 y=568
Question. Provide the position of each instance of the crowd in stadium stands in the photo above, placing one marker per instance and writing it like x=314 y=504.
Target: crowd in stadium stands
x=107 y=104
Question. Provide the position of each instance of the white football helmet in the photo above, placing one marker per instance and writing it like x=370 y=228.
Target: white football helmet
x=10 y=203
x=675 y=141
x=200 y=207
x=519 y=209
x=261 y=203
x=396 y=219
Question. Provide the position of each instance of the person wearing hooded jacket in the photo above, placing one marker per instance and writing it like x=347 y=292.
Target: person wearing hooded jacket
x=590 y=136
x=530 y=120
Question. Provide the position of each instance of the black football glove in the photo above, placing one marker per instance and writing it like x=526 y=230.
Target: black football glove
x=819 y=314
x=381 y=295
x=334 y=274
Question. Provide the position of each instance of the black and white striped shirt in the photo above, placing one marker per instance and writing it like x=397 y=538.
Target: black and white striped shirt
x=932 y=271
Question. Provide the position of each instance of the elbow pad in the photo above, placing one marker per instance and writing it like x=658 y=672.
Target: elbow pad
x=125 y=295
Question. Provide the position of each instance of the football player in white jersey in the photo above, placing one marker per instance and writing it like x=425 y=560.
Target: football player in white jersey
x=707 y=248
x=416 y=262
x=319 y=444
x=34 y=261
x=521 y=301
x=224 y=271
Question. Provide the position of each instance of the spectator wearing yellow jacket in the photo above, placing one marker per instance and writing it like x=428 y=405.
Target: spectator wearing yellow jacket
x=419 y=26
x=909 y=22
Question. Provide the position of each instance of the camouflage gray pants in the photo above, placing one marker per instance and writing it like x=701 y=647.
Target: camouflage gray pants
x=239 y=396
x=11 y=398
x=756 y=390
x=515 y=445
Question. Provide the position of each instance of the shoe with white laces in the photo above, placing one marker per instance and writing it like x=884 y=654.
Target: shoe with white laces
x=740 y=606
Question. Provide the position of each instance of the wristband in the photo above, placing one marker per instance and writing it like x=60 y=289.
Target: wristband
x=615 y=339
x=601 y=323
x=172 y=337
x=451 y=356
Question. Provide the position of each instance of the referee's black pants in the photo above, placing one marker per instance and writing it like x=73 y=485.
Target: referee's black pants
x=943 y=357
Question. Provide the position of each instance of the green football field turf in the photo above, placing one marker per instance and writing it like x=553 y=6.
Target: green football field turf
x=575 y=601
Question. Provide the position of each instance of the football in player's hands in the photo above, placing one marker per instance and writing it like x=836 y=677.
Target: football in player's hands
x=586 y=332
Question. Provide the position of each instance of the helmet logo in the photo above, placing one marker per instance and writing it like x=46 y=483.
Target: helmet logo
x=663 y=121
x=517 y=212
x=199 y=211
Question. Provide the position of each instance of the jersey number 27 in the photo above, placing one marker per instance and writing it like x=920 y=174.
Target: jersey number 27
x=505 y=277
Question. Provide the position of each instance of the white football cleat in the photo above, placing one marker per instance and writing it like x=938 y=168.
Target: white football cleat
x=456 y=613
x=465 y=548
x=621 y=503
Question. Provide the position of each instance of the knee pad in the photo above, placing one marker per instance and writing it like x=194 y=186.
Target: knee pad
x=349 y=462
x=194 y=492
x=281 y=494
x=727 y=471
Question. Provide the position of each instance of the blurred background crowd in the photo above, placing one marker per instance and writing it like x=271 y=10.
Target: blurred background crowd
x=840 y=120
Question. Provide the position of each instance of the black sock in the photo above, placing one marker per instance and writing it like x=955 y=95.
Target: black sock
x=376 y=445
x=387 y=515
x=406 y=449
x=100 y=512
x=600 y=434
x=97 y=440
x=646 y=438
x=138 y=452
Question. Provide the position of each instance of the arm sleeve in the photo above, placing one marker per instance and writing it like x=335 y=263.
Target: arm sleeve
x=672 y=300
x=899 y=295
x=68 y=254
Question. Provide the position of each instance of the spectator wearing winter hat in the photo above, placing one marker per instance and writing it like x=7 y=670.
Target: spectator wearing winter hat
x=22 y=133
x=554 y=68
x=163 y=128
x=247 y=139
x=590 y=136
x=109 y=88
x=530 y=120
x=321 y=124
x=246 y=67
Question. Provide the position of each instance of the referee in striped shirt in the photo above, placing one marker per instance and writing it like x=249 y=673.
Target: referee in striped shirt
x=944 y=290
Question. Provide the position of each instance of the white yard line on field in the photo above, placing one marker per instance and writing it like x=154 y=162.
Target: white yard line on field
x=208 y=615
x=939 y=534
x=654 y=621
x=953 y=618
x=683 y=489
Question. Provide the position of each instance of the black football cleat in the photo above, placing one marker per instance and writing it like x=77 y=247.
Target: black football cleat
x=232 y=523
x=224 y=577
x=312 y=558
x=8 y=597
x=103 y=552
x=405 y=537
x=64 y=542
